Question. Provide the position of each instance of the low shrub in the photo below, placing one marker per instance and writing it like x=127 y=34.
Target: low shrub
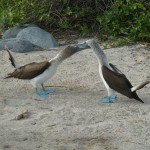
x=128 y=18
x=108 y=18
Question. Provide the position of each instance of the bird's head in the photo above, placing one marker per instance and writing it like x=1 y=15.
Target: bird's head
x=91 y=42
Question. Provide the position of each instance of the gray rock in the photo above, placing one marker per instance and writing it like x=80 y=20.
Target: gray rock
x=12 y=33
x=22 y=46
x=38 y=36
x=26 y=38
x=17 y=45
x=8 y=42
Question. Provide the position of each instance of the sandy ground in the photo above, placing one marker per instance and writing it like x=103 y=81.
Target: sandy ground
x=72 y=118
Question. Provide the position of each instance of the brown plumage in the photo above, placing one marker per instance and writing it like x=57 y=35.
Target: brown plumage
x=119 y=82
x=30 y=70
x=39 y=73
x=140 y=86
x=70 y=50
x=12 y=60
x=112 y=77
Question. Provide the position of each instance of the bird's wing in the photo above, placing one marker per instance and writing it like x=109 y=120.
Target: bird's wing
x=117 y=81
x=115 y=69
x=140 y=86
x=30 y=71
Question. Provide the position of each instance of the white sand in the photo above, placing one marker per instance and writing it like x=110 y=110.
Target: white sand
x=72 y=118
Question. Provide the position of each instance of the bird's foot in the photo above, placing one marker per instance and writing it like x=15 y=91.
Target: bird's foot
x=109 y=99
x=41 y=96
x=47 y=91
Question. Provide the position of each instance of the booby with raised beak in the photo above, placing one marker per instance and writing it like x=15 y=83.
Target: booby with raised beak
x=113 y=78
x=40 y=72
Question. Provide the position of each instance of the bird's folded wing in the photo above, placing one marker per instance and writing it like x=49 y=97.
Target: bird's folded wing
x=30 y=71
x=117 y=81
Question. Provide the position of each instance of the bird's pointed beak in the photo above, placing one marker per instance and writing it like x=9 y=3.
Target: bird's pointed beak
x=83 y=45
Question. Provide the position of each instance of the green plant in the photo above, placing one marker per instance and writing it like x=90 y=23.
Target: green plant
x=128 y=18
x=52 y=14
x=109 y=18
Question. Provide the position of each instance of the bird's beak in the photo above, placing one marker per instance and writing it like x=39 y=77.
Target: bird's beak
x=83 y=45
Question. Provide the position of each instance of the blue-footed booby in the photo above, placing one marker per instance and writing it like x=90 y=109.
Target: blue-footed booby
x=113 y=78
x=40 y=72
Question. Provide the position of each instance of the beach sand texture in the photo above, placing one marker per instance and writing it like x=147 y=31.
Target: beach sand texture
x=72 y=118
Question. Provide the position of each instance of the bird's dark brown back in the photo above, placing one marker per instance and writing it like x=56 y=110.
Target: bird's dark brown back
x=119 y=82
x=30 y=71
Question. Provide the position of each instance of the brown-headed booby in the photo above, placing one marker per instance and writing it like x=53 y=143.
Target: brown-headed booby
x=40 y=72
x=113 y=78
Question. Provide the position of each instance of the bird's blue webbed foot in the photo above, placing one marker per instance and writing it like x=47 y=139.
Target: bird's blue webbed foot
x=41 y=95
x=47 y=91
x=109 y=99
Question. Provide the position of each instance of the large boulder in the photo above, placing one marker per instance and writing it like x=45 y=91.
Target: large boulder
x=8 y=42
x=26 y=38
x=17 y=45
x=12 y=33
x=23 y=46
x=38 y=36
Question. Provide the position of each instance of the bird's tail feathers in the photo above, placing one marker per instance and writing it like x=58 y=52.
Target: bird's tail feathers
x=140 y=86
x=11 y=58
x=7 y=77
x=135 y=96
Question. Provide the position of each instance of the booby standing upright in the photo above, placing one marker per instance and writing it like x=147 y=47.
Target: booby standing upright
x=38 y=73
x=113 y=78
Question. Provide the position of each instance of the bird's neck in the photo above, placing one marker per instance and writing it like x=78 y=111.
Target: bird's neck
x=64 y=54
x=101 y=57
x=69 y=51
x=58 y=59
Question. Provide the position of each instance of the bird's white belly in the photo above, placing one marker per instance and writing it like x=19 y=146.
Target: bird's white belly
x=101 y=75
x=44 y=76
x=109 y=90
